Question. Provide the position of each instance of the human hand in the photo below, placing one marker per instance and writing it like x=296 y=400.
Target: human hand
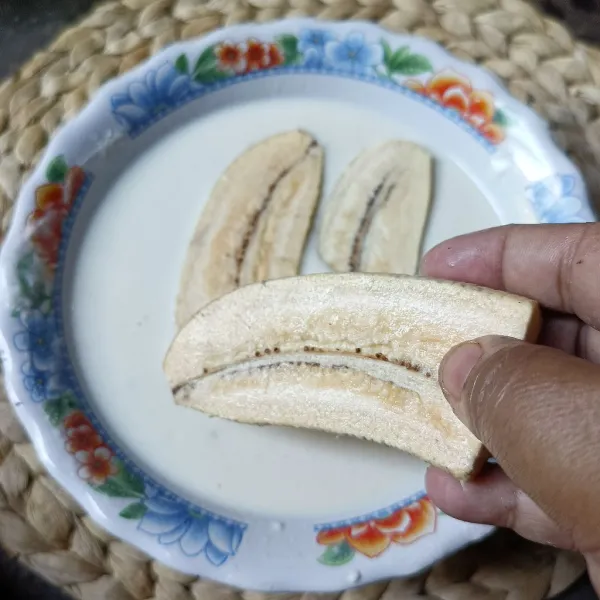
x=535 y=407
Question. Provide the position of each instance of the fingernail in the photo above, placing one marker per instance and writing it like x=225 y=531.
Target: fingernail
x=455 y=369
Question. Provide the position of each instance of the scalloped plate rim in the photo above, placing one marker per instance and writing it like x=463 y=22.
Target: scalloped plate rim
x=39 y=432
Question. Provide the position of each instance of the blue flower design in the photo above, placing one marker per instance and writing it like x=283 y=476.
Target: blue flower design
x=42 y=384
x=554 y=201
x=160 y=91
x=311 y=43
x=39 y=338
x=353 y=53
x=314 y=38
x=196 y=533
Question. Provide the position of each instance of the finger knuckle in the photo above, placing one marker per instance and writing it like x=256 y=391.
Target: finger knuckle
x=580 y=248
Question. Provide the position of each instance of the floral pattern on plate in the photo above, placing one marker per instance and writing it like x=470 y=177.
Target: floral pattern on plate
x=195 y=533
x=193 y=529
x=373 y=536
x=555 y=201
x=455 y=92
x=52 y=204
x=147 y=100
x=315 y=50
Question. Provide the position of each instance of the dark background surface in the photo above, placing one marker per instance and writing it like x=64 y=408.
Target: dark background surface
x=28 y=25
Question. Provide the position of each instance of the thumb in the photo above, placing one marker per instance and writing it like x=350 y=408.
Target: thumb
x=537 y=410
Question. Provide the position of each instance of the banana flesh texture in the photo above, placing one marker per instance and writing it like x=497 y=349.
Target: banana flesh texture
x=256 y=221
x=375 y=217
x=348 y=353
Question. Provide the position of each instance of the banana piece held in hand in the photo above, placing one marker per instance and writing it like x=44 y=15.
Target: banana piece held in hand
x=375 y=218
x=351 y=353
x=256 y=221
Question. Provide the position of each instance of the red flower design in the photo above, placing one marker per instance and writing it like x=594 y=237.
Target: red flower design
x=82 y=438
x=373 y=537
x=275 y=56
x=47 y=234
x=80 y=434
x=48 y=197
x=231 y=56
x=73 y=183
x=76 y=419
x=251 y=55
x=52 y=204
x=96 y=465
x=455 y=91
x=257 y=55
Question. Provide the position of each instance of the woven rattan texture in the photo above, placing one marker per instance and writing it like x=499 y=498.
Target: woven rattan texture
x=541 y=64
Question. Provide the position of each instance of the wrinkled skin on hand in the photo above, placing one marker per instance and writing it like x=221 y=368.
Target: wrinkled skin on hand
x=535 y=407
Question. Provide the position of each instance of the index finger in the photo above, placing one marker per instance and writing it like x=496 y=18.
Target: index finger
x=557 y=265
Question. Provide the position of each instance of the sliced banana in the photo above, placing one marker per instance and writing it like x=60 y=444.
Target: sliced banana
x=349 y=353
x=375 y=217
x=344 y=395
x=255 y=223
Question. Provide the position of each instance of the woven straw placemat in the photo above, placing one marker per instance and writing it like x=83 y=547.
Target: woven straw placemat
x=541 y=64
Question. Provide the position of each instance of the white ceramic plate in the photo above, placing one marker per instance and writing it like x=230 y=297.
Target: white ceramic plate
x=90 y=271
